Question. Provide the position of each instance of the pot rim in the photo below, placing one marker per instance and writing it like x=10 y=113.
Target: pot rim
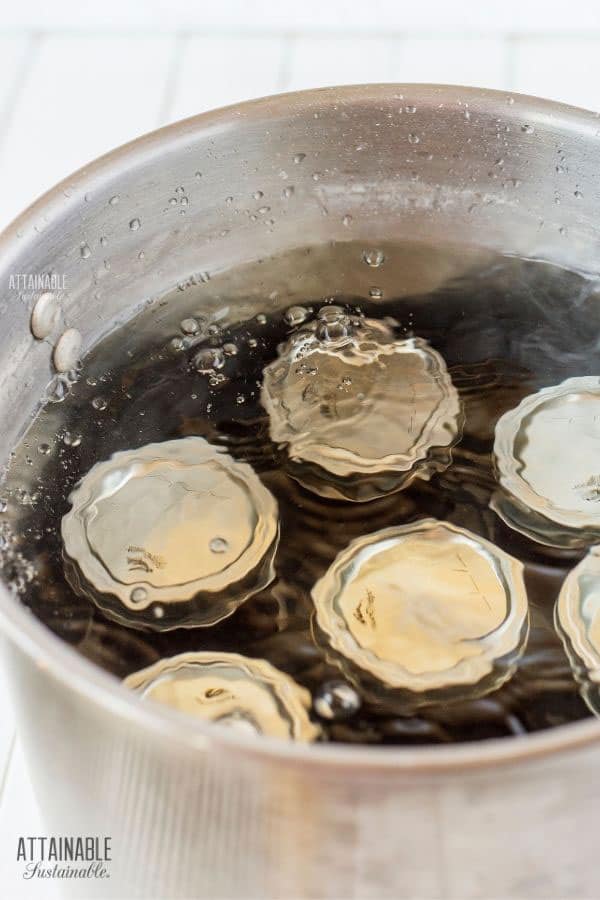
x=76 y=673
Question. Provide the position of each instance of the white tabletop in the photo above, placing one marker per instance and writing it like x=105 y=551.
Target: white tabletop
x=98 y=77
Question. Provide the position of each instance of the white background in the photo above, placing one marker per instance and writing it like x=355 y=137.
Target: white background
x=76 y=79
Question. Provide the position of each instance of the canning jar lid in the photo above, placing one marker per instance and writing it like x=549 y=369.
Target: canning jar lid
x=361 y=412
x=427 y=608
x=577 y=620
x=233 y=690
x=546 y=455
x=173 y=534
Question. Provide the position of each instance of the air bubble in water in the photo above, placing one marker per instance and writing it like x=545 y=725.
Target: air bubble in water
x=44 y=449
x=177 y=344
x=373 y=258
x=71 y=440
x=527 y=129
x=332 y=330
x=190 y=326
x=135 y=224
x=84 y=251
x=138 y=595
x=331 y=313
x=219 y=545
x=336 y=700
x=114 y=200
x=288 y=192
x=375 y=293
x=298 y=157
x=99 y=403
x=209 y=359
x=59 y=388
x=3 y=505
x=295 y=315
x=25 y=497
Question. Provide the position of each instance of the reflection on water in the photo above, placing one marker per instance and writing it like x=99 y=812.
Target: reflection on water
x=505 y=328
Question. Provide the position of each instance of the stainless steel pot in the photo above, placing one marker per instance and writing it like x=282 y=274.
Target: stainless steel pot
x=195 y=811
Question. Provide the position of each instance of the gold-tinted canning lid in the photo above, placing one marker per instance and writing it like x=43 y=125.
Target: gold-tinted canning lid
x=546 y=454
x=351 y=401
x=246 y=694
x=577 y=620
x=171 y=534
x=425 y=607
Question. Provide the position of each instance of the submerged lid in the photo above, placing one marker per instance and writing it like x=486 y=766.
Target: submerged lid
x=426 y=608
x=577 y=619
x=246 y=694
x=361 y=413
x=546 y=453
x=174 y=534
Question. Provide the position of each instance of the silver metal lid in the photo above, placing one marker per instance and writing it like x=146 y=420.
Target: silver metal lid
x=428 y=609
x=577 y=620
x=361 y=413
x=174 y=534
x=246 y=694
x=546 y=454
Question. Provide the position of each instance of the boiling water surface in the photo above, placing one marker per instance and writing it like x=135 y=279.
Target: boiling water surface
x=192 y=364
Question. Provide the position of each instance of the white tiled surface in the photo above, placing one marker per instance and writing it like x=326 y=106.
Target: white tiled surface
x=252 y=16
x=19 y=816
x=78 y=79
x=222 y=69
x=68 y=94
x=478 y=60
